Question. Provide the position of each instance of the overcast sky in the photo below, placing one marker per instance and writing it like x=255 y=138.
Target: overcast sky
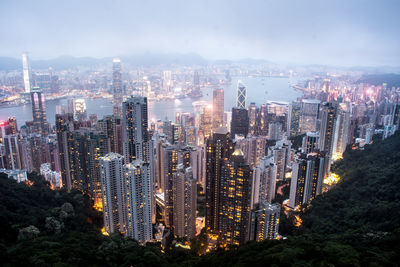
x=340 y=32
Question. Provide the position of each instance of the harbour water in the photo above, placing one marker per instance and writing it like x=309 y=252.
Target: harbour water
x=259 y=90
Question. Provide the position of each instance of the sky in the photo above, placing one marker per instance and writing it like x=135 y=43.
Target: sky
x=329 y=32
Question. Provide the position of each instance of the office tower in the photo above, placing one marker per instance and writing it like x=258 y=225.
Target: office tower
x=252 y=118
x=53 y=177
x=139 y=201
x=309 y=113
x=113 y=189
x=26 y=71
x=235 y=197
x=310 y=142
x=12 y=122
x=160 y=144
x=54 y=84
x=264 y=181
x=218 y=108
x=173 y=156
x=117 y=88
x=253 y=148
x=12 y=152
x=135 y=133
x=240 y=122
x=264 y=221
x=39 y=111
x=294 y=117
x=185 y=197
x=218 y=149
x=326 y=136
x=167 y=81
x=80 y=109
x=190 y=135
x=241 y=96
x=206 y=123
x=278 y=112
x=307 y=178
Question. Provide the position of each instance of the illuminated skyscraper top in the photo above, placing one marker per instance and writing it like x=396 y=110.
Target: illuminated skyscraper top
x=117 y=88
x=241 y=95
x=26 y=71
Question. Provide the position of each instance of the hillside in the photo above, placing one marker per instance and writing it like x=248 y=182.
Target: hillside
x=357 y=223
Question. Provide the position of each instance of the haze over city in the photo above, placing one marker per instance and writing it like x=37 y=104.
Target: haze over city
x=345 y=33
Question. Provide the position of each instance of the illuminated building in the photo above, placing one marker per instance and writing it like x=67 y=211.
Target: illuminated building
x=17 y=175
x=206 y=123
x=252 y=118
x=253 y=148
x=310 y=142
x=93 y=119
x=113 y=189
x=241 y=96
x=139 y=201
x=184 y=204
x=264 y=221
x=167 y=81
x=240 y=122
x=12 y=122
x=327 y=132
x=26 y=73
x=218 y=149
x=341 y=131
x=264 y=181
x=294 y=117
x=235 y=199
x=198 y=165
x=12 y=152
x=53 y=177
x=218 y=108
x=112 y=127
x=309 y=113
x=307 y=178
x=280 y=152
x=39 y=111
x=135 y=132
x=117 y=88
x=173 y=156
x=80 y=109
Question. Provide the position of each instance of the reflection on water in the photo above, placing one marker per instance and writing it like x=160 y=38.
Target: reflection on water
x=259 y=90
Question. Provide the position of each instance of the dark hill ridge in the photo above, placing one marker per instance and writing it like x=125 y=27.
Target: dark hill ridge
x=357 y=223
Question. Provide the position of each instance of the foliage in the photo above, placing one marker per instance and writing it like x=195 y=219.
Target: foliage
x=357 y=223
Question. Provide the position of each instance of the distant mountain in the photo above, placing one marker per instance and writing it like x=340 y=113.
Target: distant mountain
x=390 y=79
x=67 y=62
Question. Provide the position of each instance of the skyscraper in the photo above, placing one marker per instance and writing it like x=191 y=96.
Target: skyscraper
x=139 y=198
x=235 y=199
x=264 y=182
x=218 y=149
x=309 y=113
x=113 y=189
x=327 y=132
x=307 y=178
x=39 y=111
x=264 y=221
x=240 y=122
x=184 y=204
x=117 y=88
x=218 y=108
x=135 y=132
x=80 y=109
x=310 y=142
x=26 y=71
x=241 y=96
x=252 y=118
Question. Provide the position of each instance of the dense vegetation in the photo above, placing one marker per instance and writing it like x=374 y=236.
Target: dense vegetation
x=357 y=223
